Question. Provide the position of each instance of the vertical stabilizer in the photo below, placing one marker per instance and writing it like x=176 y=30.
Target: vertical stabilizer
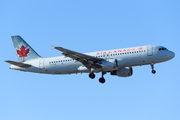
x=23 y=50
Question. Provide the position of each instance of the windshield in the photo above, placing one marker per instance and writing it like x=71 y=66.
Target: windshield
x=163 y=48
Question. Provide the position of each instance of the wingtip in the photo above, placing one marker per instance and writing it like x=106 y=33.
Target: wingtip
x=6 y=60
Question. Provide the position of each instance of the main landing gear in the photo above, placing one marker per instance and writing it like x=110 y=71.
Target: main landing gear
x=101 y=80
x=152 y=67
x=92 y=75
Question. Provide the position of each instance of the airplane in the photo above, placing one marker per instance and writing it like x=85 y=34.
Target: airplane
x=118 y=62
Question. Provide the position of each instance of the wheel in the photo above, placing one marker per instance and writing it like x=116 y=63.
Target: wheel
x=101 y=80
x=92 y=75
x=153 y=71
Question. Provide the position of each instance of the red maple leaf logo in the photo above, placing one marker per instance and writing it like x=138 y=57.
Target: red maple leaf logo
x=22 y=52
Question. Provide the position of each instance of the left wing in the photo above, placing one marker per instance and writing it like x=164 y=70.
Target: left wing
x=86 y=60
x=20 y=64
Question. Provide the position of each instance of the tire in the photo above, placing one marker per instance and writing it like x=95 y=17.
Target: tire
x=92 y=75
x=153 y=71
x=102 y=80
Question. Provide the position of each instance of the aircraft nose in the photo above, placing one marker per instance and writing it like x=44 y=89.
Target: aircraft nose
x=172 y=55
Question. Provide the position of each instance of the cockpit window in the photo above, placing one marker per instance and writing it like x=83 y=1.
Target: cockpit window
x=162 y=49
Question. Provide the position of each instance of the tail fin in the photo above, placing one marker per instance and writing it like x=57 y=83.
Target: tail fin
x=23 y=50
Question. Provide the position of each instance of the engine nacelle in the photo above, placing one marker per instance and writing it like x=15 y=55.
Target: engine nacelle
x=123 y=72
x=109 y=64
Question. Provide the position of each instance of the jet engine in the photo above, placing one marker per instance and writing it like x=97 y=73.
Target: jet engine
x=109 y=64
x=123 y=72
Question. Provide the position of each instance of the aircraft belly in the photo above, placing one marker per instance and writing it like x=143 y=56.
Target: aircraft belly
x=63 y=68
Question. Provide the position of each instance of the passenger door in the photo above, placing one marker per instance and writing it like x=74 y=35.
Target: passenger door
x=149 y=50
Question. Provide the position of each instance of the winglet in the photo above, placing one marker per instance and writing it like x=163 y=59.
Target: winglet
x=52 y=47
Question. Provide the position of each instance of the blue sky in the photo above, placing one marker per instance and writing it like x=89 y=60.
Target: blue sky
x=87 y=26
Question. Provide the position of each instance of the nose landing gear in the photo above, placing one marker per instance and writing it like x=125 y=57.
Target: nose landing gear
x=152 y=67
x=153 y=71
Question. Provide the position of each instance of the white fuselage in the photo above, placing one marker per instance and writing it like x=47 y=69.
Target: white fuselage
x=127 y=57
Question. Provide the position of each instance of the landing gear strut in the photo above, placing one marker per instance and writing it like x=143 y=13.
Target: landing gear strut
x=102 y=80
x=152 y=67
x=92 y=75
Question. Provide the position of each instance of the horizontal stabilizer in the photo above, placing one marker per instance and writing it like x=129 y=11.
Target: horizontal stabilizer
x=18 y=63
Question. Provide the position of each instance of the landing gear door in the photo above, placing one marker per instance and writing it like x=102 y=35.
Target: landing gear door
x=150 y=50
x=41 y=63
